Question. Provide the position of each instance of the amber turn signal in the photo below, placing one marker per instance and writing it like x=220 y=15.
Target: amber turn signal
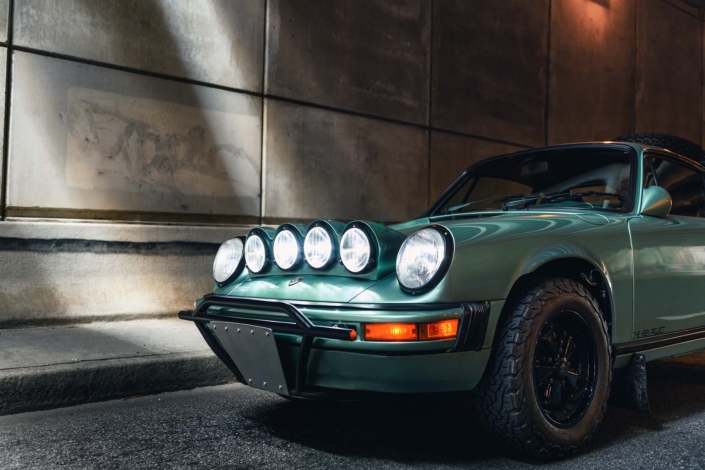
x=443 y=329
x=439 y=329
x=391 y=332
x=353 y=335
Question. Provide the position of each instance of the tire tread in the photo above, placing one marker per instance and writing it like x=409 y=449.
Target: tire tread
x=675 y=144
x=500 y=395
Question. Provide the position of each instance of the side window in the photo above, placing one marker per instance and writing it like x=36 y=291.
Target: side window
x=683 y=184
x=648 y=174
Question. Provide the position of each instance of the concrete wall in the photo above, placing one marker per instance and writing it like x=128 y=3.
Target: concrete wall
x=173 y=125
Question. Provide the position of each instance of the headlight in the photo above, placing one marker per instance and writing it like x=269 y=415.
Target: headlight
x=355 y=250
x=286 y=249
x=423 y=258
x=318 y=247
x=228 y=262
x=255 y=253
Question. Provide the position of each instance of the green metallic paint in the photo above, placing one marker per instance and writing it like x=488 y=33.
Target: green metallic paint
x=669 y=274
x=313 y=287
x=652 y=266
x=420 y=373
x=656 y=202
x=494 y=250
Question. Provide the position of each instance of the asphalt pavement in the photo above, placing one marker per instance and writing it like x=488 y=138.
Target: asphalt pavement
x=232 y=426
x=73 y=364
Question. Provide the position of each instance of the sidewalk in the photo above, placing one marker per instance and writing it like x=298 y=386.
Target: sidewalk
x=65 y=365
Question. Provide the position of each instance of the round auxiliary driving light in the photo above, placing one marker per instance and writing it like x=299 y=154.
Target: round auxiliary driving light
x=255 y=253
x=318 y=247
x=355 y=250
x=229 y=261
x=286 y=249
x=424 y=258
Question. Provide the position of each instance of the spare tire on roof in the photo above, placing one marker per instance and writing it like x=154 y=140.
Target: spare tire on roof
x=669 y=142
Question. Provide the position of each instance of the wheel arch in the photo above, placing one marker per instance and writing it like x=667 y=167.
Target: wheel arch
x=572 y=266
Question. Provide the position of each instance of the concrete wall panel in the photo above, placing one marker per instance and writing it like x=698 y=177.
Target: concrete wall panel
x=214 y=41
x=63 y=272
x=4 y=19
x=592 y=84
x=669 y=70
x=90 y=138
x=323 y=164
x=489 y=69
x=370 y=56
x=452 y=154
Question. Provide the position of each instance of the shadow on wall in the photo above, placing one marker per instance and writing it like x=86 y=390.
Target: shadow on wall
x=161 y=153
x=180 y=151
x=64 y=280
x=326 y=164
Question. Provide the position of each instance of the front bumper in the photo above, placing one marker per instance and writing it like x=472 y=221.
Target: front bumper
x=322 y=351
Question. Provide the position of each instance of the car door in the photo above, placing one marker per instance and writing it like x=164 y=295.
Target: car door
x=669 y=253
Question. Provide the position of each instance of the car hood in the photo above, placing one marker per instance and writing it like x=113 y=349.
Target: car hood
x=493 y=249
x=512 y=220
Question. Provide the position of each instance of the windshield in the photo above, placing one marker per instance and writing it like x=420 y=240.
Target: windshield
x=585 y=178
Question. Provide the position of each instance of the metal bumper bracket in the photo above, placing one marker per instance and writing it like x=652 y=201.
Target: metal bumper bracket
x=254 y=358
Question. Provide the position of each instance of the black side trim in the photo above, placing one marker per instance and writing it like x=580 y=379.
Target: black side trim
x=473 y=326
x=660 y=341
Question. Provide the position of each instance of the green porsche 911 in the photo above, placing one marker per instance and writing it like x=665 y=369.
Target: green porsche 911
x=533 y=278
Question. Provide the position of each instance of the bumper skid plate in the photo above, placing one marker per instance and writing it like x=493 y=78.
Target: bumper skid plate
x=255 y=360
x=254 y=350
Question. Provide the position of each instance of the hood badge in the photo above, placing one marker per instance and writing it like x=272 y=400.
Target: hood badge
x=295 y=281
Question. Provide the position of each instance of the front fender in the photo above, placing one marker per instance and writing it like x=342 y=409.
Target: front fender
x=558 y=251
x=491 y=255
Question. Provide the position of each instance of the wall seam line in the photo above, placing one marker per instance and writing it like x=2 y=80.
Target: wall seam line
x=636 y=62
x=430 y=104
x=263 y=127
x=8 y=107
x=548 y=73
x=260 y=95
x=677 y=7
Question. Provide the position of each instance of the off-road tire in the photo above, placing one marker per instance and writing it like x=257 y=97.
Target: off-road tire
x=506 y=397
x=675 y=144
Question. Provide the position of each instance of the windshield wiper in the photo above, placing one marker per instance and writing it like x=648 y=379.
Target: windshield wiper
x=508 y=197
x=562 y=196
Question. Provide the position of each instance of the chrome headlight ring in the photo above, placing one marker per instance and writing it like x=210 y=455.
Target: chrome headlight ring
x=320 y=247
x=288 y=248
x=229 y=261
x=357 y=249
x=424 y=258
x=258 y=257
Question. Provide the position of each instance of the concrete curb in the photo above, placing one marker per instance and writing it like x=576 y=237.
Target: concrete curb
x=33 y=388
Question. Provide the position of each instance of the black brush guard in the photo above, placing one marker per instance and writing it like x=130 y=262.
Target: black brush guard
x=471 y=334
x=300 y=325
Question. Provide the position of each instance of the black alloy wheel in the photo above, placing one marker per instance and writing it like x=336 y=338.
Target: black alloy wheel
x=565 y=369
x=546 y=385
